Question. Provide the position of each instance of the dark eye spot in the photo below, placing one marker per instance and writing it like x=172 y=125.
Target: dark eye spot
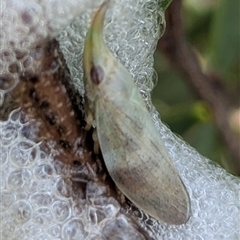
x=96 y=74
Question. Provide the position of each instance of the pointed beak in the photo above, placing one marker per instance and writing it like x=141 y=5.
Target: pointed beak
x=95 y=49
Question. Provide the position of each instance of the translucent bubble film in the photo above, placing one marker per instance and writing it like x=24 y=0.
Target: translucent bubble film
x=52 y=186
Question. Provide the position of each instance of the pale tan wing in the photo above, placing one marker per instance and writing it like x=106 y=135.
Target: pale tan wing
x=138 y=161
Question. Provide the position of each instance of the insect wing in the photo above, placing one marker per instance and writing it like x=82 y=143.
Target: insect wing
x=137 y=159
x=131 y=146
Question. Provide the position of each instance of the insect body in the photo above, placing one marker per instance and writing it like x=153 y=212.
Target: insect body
x=132 y=149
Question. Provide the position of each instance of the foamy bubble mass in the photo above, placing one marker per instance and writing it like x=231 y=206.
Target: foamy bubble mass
x=45 y=197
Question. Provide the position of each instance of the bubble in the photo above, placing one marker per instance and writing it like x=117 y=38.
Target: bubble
x=8 y=81
x=23 y=153
x=94 y=237
x=7 y=55
x=21 y=212
x=19 y=179
x=109 y=206
x=8 y=134
x=74 y=230
x=61 y=210
x=54 y=230
x=7 y=198
x=27 y=17
x=94 y=189
x=42 y=217
x=20 y=53
x=92 y=216
x=43 y=236
x=3 y=156
x=15 y=115
x=9 y=226
x=37 y=54
x=43 y=171
x=64 y=187
x=41 y=199
x=31 y=229
x=28 y=62
x=100 y=215
x=14 y=67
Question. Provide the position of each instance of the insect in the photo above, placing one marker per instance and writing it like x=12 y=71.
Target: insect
x=131 y=146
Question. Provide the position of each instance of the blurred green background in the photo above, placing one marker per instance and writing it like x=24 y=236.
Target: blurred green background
x=212 y=27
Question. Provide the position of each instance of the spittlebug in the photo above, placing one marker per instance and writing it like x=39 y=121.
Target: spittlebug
x=132 y=149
